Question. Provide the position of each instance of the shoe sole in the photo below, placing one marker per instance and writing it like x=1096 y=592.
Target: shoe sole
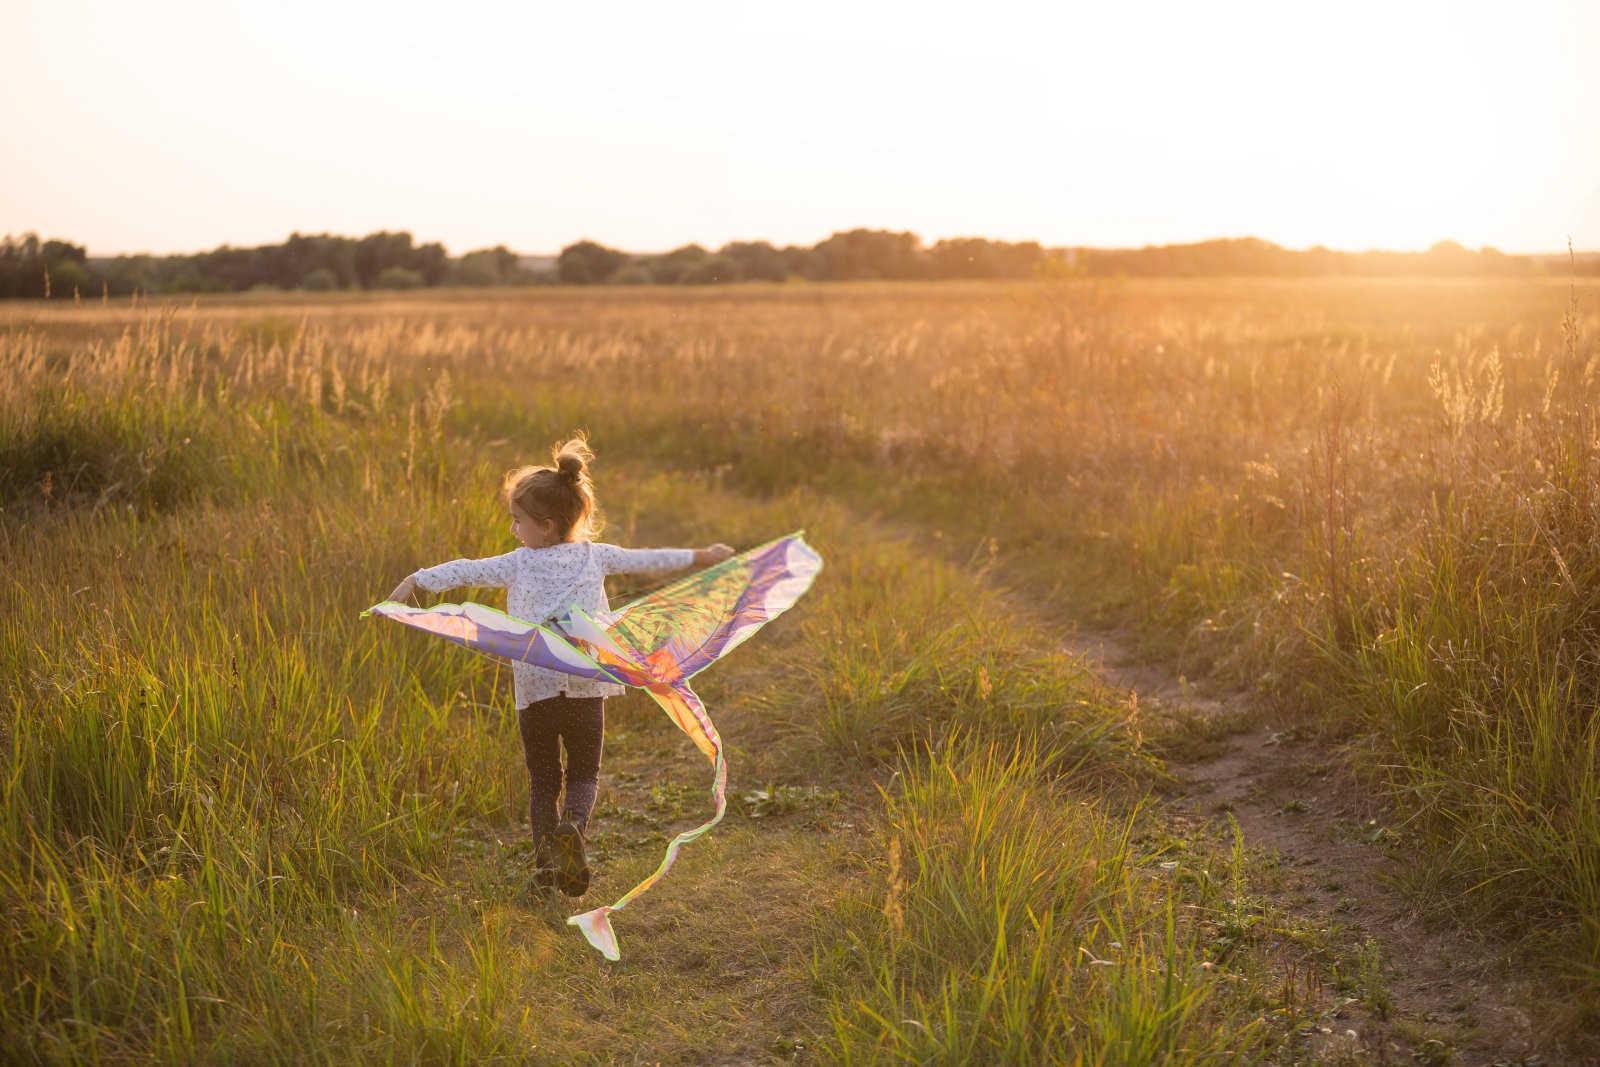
x=572 y=866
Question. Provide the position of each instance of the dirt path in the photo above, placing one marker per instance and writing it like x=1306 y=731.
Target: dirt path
x=1406 y=991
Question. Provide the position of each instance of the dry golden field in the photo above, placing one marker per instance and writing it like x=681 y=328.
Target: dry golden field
x=240 y=824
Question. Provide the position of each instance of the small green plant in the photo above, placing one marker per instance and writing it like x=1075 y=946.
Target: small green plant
x=1374 y=986
x=779 y=800
x=673 y=800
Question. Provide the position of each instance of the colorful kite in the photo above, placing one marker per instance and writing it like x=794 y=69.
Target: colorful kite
x=655 y=643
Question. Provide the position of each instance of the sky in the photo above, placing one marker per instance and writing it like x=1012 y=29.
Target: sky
x=180 y=126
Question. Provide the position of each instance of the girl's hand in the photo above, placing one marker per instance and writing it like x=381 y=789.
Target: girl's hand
x=705 y=557
x=403 y=591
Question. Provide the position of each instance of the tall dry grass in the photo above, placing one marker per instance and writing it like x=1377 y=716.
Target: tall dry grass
x=1375 y=501
x=242 y=826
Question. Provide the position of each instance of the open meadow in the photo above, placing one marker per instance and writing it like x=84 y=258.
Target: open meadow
x=1349 y=526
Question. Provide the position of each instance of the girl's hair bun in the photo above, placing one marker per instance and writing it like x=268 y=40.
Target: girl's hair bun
x=572 y=458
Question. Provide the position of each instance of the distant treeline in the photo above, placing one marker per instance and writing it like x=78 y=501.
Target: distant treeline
x=32 y=268
x=1253 y=256
x=853 y=255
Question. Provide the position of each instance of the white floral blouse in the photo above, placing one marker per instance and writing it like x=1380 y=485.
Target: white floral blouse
x=542 y=583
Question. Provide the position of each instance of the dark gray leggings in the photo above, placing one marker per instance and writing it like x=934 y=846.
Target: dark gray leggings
x=579 y=725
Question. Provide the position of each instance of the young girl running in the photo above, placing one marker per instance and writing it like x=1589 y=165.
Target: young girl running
x=554 y=516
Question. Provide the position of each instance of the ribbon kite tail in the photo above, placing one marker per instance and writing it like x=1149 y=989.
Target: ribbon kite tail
x=684 y=708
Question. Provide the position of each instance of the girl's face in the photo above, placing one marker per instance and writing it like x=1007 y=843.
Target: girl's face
x=532 y=532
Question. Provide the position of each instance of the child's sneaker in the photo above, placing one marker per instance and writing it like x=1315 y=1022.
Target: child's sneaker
x=572 y=866
x=544 y=865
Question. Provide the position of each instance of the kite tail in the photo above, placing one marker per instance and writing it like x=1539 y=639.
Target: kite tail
x=596 y=924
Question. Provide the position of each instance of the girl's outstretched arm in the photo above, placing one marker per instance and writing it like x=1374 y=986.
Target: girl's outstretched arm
x=494 y=571
x=615 y=560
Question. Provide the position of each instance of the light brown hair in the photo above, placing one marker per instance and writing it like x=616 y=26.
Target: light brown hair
x=562 y=493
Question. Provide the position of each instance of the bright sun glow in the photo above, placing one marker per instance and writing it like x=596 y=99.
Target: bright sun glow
x=180 y=126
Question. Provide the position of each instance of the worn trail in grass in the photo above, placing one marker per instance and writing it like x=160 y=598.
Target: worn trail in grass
x=1358 y=971
x=716 y=959
x=1387 y=982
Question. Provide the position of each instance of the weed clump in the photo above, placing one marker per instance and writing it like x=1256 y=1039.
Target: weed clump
x=73 y=451
x=1018 y=929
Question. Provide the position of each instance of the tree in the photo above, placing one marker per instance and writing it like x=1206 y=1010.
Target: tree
x=63 y=252
x=674 y=267
x=976 y=257
x=432 y=262
x=70 y=278
x=488 y=266
x=801 y=262
x=377 y=252
x=319 y=280
x=854 y=254
x=587 y=263
x=757 y=260
x=130 y=274
x=31 y=268
x=713 y=269
x=632 y=274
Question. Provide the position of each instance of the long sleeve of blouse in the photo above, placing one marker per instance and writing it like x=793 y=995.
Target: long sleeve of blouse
x=496 y=571
x=615 y=560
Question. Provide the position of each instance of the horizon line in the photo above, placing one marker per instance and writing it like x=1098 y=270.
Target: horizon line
x=925 y=242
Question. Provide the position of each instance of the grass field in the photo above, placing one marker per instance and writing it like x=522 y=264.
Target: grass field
x=241 y=824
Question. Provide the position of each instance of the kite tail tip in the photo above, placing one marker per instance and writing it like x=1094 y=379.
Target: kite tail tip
x=596 y=927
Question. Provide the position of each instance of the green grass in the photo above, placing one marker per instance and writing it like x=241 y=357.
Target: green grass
x=241 y=824
x=1019 y=926
x=247 y=825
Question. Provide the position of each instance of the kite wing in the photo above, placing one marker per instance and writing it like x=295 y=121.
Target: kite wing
x=655 y=643
x=684 y=627
x=495 y=633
